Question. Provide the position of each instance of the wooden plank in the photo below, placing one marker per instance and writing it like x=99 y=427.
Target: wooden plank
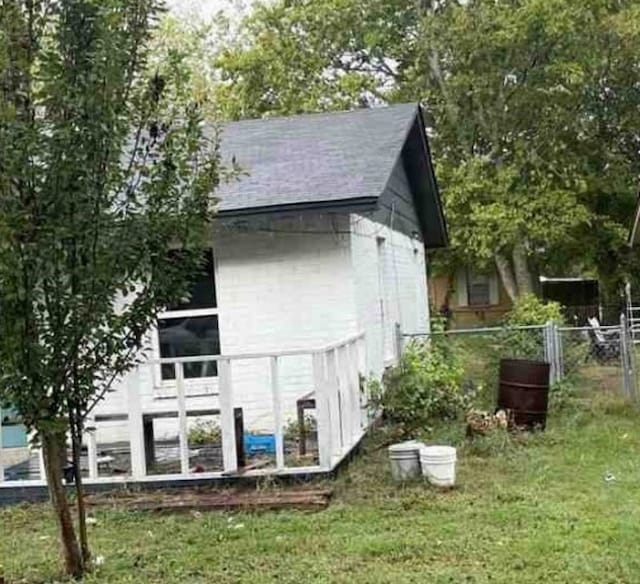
x=191 y=412
x=194 y=501
x=238 y=421
x=229 y=454
x=252 y=356
x=322 y=409
x=183 y=431
x=111 y=417
x=277 y=412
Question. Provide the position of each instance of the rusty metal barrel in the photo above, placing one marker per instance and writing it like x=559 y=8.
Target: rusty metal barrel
x=524 y=391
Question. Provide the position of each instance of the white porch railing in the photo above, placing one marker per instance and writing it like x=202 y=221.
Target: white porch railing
x=341 y=413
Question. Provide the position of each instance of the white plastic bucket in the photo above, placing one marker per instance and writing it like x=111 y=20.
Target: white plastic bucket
x=439 y=465
x=405 y=460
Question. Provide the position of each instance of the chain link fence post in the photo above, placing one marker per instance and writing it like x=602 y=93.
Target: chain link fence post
x=546 y=341
x=627 y=357
x=559 y=352
x=553 y=351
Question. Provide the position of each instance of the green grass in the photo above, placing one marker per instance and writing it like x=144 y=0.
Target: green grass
x=536 y=509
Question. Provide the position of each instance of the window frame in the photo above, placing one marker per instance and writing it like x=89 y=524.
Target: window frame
x=470 y=275
x=461 y=289
x=208 y=381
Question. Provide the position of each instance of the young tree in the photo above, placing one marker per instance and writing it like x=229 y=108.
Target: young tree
x=102 y=175
x=531 y=105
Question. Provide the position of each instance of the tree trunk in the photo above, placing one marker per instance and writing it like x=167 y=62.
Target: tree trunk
x=524 y=278
x=76 y=441
x=506 y=275
x=52 y=445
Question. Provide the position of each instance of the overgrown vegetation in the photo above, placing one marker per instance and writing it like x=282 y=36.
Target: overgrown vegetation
x=292 y=429
x=205 y=432
x=530 y=310
x=424 y=387
x=543 y=507
x=533 y=116
x=522 y=343
x=448 y=374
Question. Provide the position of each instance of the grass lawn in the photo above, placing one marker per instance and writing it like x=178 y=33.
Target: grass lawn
x=537 y=510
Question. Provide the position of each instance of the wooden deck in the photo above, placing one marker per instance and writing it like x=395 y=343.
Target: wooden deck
x=337 y=398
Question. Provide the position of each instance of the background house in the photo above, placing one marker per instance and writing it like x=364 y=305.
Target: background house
x=476 y=299
x=473 y=298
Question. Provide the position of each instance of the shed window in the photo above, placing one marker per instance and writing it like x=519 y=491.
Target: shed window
x=191 y=329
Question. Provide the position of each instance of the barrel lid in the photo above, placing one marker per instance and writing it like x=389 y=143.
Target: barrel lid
x=408 y=445
x=438 y=451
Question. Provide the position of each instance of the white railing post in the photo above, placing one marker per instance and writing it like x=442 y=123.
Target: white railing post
x=91 y=433
x=229 y=454
x=277 y=412
x=323 y=411
x=136 y=434
x=363 y=396
x=1 y=451
x=334 y=405
x=346 y=407
x=354 y=391
x=183 y=431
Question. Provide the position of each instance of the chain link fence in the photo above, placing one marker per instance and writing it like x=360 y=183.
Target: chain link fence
x=600 y=358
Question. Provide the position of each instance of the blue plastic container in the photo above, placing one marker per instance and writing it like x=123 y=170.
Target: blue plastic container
x=259 y=444
x=14 y=434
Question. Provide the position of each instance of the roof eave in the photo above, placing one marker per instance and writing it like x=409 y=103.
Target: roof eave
x=340 y=205
x=441 y=217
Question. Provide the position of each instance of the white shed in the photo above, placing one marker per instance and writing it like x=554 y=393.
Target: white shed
x=317 y=259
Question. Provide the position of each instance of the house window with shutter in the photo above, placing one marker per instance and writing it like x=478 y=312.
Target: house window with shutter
x=478 y=289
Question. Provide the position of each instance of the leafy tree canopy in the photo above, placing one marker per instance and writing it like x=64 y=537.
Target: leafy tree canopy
x=533 y=106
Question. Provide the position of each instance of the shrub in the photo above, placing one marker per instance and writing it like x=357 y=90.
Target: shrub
x=425 y=386
x=205 y=433
x=561 y=395
x=528 y=310
x=292 y=428
x=531 y=310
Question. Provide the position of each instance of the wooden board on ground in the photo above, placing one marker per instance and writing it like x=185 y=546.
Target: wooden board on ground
x=310 y=500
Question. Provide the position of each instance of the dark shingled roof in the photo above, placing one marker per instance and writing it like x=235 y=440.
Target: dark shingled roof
x=316 y=161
